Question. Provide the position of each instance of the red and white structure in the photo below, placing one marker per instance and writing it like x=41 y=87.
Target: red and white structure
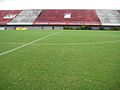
x=58 y=18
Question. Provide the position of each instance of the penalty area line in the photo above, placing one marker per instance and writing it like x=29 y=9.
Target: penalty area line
x=77 y=43
x=11 y=50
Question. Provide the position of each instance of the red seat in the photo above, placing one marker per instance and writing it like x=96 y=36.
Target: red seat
x=3 y=13
x=80 y=17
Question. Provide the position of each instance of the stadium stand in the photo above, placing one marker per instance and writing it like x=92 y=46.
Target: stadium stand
x=26 y=17
x=109 y=17
x=67 y=17
x=59 y=19
x=7 y=15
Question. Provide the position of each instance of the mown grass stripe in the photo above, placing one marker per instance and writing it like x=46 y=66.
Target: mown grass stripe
x=68 y=43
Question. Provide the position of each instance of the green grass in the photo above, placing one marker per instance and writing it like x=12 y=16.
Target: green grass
x=69 y=60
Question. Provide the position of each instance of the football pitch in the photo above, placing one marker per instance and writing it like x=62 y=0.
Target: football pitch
x=59 y=60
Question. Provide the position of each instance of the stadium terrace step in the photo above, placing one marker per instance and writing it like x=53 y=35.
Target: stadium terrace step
x=26 y=17
x=109 y=17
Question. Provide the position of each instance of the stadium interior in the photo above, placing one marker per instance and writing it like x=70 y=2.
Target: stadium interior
x=65 y=49
x=58 y=19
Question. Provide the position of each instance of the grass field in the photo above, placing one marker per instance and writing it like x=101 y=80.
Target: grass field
x=59 y=60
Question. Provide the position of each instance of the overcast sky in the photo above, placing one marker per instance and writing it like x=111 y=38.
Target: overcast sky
x=59 y=4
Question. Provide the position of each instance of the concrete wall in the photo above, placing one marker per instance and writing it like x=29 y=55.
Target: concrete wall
x=10 y=27
x=2 y=28
x=74 y=27
x=47 y=27
x=58 y=27
x=34 y=27
x=54 y=27
x=95 y=28
x=107 y=28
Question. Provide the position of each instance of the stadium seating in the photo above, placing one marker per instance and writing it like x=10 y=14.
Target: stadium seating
x=109 y=17
x=78 y=17
x=25 y=17
x=7 y=15
x=60 y=17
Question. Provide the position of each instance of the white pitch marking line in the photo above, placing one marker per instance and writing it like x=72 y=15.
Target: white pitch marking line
x=89 y=43
x=28 y=43
x=75 y=43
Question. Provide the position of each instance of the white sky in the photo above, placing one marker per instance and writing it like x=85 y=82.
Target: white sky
x=59 y=4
